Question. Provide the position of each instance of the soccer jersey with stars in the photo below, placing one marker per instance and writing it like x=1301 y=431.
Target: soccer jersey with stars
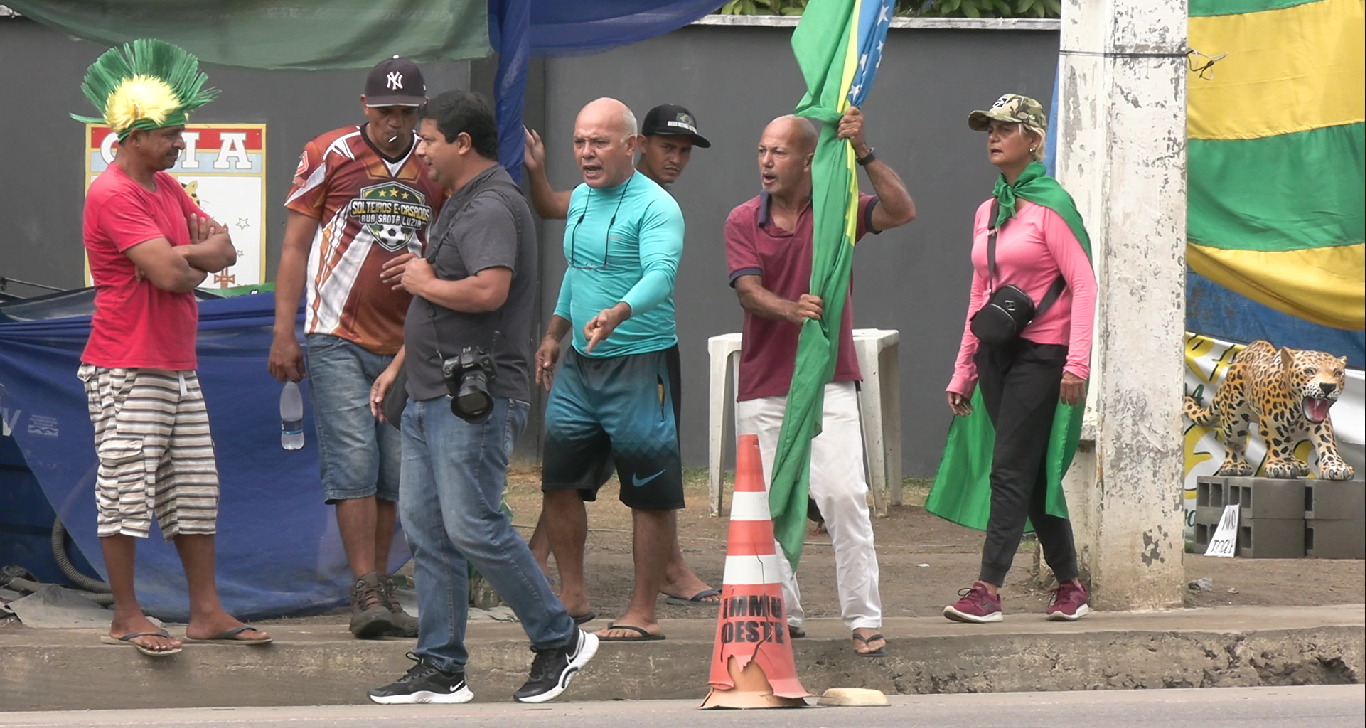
x=370 y=209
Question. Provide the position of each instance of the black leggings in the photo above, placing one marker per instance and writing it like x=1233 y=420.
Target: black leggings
x=1020 y=383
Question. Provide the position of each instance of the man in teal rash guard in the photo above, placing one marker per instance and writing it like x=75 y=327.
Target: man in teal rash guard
x=614 y=404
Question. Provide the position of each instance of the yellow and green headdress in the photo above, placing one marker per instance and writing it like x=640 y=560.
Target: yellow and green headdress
x=151 y=84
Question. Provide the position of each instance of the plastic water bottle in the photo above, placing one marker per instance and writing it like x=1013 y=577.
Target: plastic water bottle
x=291 y=417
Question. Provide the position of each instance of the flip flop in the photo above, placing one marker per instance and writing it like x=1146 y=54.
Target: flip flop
x=128 y=640
x=699 y=598
x=879 y=652
x=584 y=618
x=645 y=635
x=229 y=636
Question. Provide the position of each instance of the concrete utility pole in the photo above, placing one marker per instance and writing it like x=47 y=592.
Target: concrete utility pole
x=1122 y=154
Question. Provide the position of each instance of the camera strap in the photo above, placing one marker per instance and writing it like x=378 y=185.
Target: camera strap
x=502 y=188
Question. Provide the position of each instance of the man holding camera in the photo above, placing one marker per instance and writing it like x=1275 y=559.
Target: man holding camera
x=467 y=359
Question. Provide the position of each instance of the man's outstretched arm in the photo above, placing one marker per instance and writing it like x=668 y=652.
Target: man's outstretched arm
x=550 y=205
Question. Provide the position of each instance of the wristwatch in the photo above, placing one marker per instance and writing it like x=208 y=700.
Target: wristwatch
x=865 y=159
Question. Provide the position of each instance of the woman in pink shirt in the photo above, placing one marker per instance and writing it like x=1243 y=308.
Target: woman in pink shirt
x=1032 y=381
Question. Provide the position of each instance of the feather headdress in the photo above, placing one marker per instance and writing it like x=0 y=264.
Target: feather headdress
x=149 y=85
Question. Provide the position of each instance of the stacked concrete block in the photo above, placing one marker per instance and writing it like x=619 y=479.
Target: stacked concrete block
x=1210 y=499
x=1271 y=514
x=1335 y=519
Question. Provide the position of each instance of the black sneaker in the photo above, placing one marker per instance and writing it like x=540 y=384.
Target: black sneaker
x=552 y=670
x=424 y=684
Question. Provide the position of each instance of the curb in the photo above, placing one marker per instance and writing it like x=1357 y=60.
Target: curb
x=321 y=666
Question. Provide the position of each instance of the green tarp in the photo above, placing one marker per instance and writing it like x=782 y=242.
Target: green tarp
x=279 y=34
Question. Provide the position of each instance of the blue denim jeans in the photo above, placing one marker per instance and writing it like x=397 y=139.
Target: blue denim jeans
x=452 y=484
x=357 y=454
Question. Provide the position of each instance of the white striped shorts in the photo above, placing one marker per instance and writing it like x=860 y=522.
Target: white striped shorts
x=155 y=452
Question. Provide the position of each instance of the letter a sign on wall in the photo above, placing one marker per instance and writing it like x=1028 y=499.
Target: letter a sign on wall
x=223 y=168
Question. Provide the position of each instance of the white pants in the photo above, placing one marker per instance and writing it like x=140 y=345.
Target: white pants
x=840 y=490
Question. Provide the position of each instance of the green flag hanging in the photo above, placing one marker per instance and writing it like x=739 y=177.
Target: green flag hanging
x=838 y=45
x=280 y=34
x=962 y=487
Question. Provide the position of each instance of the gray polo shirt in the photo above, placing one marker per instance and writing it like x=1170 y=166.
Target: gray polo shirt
x=464 y=240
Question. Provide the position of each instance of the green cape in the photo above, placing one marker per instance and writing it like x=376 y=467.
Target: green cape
x=962 y=487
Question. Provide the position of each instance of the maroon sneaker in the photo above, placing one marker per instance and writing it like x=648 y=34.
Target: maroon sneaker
x=1069 y=603
x=977 y=606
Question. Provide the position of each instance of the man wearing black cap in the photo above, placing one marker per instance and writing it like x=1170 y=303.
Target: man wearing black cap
x=668 y=134
x=360 y=198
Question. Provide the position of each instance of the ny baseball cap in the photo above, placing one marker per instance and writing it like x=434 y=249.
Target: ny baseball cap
x=672 y=120
x=1012 y=108
x=395 y=82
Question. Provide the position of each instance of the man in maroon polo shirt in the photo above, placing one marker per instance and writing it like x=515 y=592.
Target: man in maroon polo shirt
x=768 y=250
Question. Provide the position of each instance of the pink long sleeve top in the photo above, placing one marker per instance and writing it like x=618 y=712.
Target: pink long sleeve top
x=1031 y=250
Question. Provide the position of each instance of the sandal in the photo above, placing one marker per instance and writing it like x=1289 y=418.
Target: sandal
x=642 y=635
x=702 y=598
x=230 y=636
x=879 y=652
x=149 y=651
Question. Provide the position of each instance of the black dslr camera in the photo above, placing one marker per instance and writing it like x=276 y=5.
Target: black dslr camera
x=467 y=378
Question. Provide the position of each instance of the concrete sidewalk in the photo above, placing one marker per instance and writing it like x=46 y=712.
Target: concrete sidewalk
x=318 y=664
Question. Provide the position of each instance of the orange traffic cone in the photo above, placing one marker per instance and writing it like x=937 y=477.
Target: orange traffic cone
x=752 y=665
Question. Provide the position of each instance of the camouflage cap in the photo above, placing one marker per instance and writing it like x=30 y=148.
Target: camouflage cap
x=1013 y=108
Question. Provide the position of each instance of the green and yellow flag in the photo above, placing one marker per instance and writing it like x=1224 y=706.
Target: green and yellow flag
x=1277 y=155
x=838 y=45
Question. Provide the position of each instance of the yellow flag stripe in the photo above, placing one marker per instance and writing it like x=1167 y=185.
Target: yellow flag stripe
x=846 y=83
x=850 y=58
x=1322 y=285
x=1287 y=71
x=851 y=213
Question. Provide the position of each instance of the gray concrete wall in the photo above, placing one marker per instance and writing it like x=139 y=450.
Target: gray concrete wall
x=734 y=79
x=41 y=184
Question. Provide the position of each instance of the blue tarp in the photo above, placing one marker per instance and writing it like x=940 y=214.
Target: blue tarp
x=519 y=29
x=26 y=517
x=278 y=548
x=1219 y=312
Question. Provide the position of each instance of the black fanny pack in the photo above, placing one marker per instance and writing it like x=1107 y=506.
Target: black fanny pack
x=1008 y=309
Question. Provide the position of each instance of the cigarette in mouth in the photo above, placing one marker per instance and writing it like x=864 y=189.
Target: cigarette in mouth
x=393 y=139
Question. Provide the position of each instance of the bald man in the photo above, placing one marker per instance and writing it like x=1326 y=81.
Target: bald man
x=667 y=136
x=613 y=403
x=768 y=250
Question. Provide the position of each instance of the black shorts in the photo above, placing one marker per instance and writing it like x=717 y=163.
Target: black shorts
x=618 y=413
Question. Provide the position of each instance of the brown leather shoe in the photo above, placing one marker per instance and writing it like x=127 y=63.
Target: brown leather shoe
x=370 y=616
x=405 y=624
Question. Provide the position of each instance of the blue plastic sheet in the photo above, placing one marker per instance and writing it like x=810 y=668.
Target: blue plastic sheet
x=519 y=29
x=1218 y=312
x=510 y=33
x=565 y=28
x=26 y=517
x=278 y=548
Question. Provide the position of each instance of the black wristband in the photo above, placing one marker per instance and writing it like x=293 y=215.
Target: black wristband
x=866 y=159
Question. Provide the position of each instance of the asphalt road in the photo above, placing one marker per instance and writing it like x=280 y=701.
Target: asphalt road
x=1293 y=707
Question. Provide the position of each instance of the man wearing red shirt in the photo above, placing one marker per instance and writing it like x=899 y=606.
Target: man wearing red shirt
x=768 y=251
x=149 y=246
